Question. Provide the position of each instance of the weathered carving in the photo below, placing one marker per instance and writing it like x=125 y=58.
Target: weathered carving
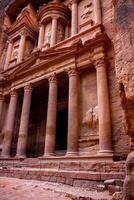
x=47 y=35
x=91 y=118
x=87 y=11
x=60 y=33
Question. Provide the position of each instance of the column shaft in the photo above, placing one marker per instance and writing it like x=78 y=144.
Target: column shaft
x=51 y=117
x=9 y=125
x=21 y=48
x=53 y=32
x=8 y=56
x=73 y=117
x=74 y=22
x=1 y=109
x=23 y=131
x=105 y=139
x=41 y=36
x=97 y=11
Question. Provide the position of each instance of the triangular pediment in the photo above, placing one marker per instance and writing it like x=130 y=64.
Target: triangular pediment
x=27 y=18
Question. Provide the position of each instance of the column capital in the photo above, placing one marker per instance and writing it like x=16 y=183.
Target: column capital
x=28 y=87
x=13 y=92
x=10 y=41
x=1 y=97
x=40 y=24
x=52 y=78
x=73 y=1
x=55 y=17
x=101 y=62
x=73 y=72
x=24 y=33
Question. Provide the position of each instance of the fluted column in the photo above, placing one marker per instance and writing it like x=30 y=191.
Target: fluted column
x=73 y=115
x=41 y=35
x=51 y=117
x=97 y=11
x=105 y=139
x=8 y=55
x=9 y=125
x=21 y=46
x=54 y=31
x=23 y=131
x=74 y=22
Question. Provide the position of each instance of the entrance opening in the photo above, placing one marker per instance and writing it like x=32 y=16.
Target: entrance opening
x=62 y=116
x=61 y=132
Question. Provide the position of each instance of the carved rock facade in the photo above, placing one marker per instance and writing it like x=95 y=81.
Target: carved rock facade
x=73 y=87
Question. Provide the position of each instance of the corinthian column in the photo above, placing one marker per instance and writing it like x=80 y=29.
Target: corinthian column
x=41 y=36
x=23 y=131
x=73 y=115
x=105 y=140
x=74 y=22
x=9 y=125
x=97 y=11
x=21 y=46
x=51 y=117
x=54 y=31
x=8 y=55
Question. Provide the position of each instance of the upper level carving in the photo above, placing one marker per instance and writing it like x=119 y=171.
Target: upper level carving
x=54 y=22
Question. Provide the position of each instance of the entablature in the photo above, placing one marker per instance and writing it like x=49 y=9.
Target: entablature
x=40 y=65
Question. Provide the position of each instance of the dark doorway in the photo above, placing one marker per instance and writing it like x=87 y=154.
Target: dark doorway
x=61 y=132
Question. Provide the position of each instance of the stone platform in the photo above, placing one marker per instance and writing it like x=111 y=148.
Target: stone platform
x=71 y=171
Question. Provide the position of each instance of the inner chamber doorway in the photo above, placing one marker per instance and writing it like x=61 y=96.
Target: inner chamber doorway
x=62 y=117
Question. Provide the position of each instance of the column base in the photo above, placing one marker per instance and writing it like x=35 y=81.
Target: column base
x=105 y=153
x=48 y=154
x=20 y=156
x=69 y=154
x=5 y=156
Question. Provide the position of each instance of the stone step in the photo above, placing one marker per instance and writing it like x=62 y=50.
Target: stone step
x=81 y=164
x=74 y=178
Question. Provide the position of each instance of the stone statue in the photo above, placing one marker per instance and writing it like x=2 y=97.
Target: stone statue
x=60 y=33
x=91 y=118
x=15 y=54
x=87 y=11
x=48 y=36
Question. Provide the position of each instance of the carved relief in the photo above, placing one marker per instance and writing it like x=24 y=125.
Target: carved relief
x=15 y=50
x=60 y=33
x=91 y=118
x=87 y=11
x=47 y=35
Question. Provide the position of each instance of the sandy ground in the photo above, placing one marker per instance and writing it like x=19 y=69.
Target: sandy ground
x=19 y=189
x=16 y=189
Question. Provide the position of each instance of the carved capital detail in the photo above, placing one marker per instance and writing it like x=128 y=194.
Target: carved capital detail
x=10 y=41
x=55 y=17
x=13 y=92
x=73 y=72
x=99 y=63
x=52 y=78
x=73 y=1
x=1 y=97
x=28 y=88
x=24 y=32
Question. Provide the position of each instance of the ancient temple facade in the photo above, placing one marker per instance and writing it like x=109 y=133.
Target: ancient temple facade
x=58 y=90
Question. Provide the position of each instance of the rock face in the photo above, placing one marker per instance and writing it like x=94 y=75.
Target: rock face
x=124 y=62
x=118 y=23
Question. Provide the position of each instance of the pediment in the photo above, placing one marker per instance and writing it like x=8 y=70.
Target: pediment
x=38 y=59
x=27 y=18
